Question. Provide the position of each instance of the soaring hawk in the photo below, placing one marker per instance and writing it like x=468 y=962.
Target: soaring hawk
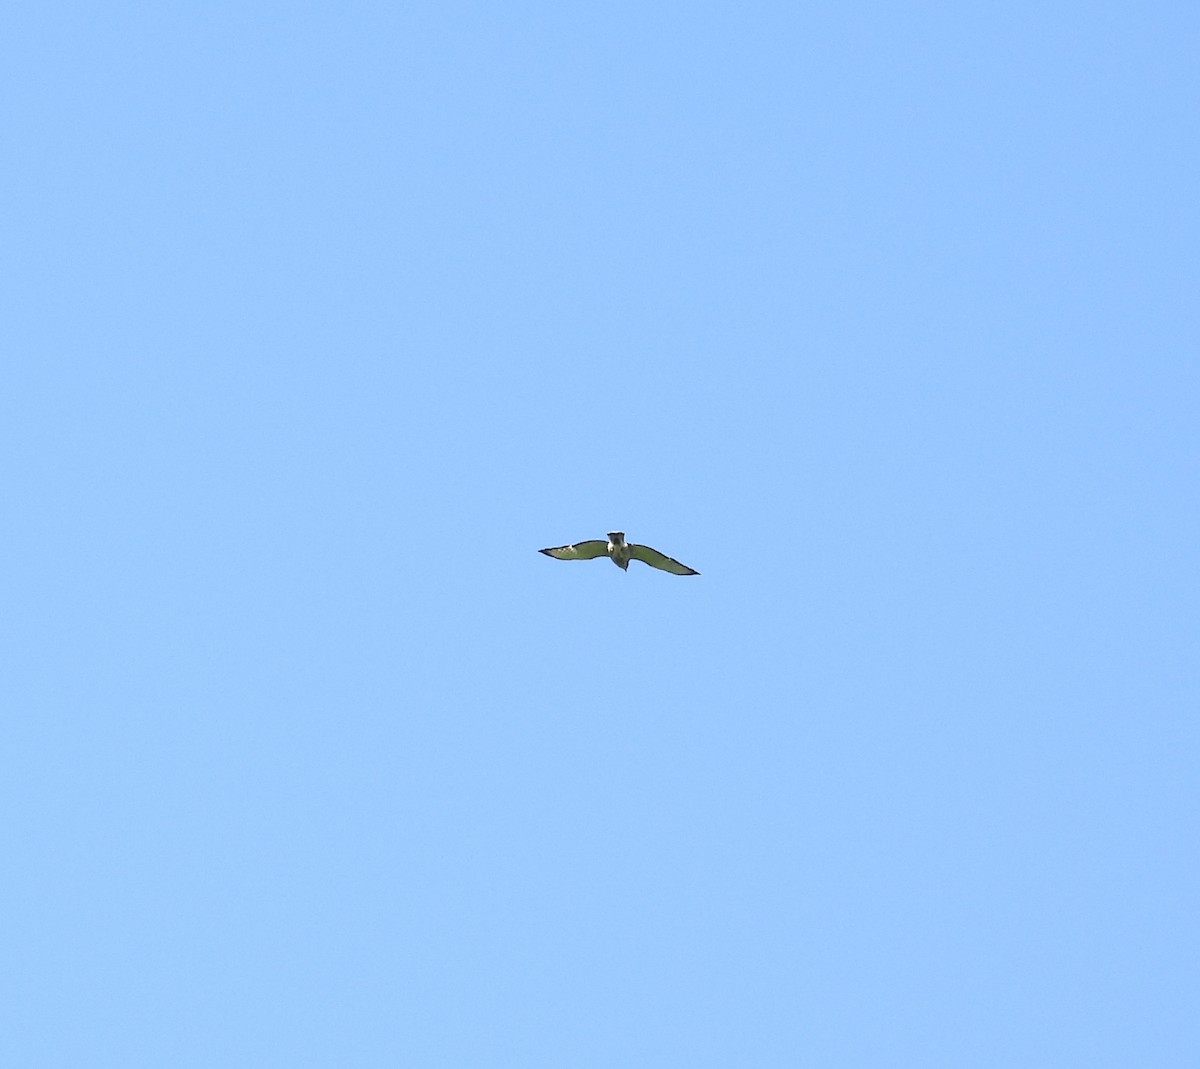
x=620 y=553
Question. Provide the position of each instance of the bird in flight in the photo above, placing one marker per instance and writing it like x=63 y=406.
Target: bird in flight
x=620 y=553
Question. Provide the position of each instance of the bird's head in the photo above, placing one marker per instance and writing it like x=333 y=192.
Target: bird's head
x=617 y=538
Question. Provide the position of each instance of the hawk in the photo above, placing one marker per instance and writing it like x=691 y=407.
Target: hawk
x=620 y=553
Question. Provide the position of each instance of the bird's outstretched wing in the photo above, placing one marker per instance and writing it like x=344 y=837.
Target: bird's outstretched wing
x=659 y=560
x=597 y=547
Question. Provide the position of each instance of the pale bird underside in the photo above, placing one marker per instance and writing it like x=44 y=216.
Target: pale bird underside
x=620 y=553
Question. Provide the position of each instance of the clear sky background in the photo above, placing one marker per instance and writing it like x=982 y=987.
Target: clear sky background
x=318 y=321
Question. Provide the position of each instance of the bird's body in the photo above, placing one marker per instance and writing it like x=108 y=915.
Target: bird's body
x=620 y=553
x=618 y=550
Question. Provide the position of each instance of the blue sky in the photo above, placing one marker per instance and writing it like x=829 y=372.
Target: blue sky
x=320 y=320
